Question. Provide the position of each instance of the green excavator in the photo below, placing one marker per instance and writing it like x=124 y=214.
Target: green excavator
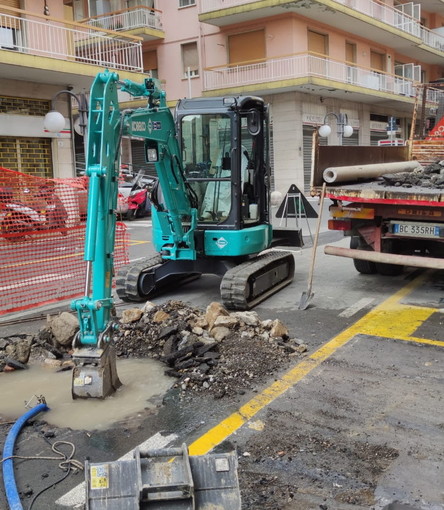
x=210 y=211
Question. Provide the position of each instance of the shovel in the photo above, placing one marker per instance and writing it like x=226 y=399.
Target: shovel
x=308 y=294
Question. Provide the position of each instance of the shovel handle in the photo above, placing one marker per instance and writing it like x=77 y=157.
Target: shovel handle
x=315 y=242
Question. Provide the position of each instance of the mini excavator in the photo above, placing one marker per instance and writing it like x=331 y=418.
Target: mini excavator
x=210 y=211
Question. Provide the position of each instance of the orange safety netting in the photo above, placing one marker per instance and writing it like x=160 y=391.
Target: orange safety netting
x=42 y=236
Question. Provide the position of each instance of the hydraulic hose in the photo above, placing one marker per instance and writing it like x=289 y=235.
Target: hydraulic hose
x=8 y=451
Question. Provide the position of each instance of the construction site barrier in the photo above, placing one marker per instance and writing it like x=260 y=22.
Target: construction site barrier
x=42 y=236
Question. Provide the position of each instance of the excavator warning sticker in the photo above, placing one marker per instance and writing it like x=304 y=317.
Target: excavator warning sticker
x=99 y=477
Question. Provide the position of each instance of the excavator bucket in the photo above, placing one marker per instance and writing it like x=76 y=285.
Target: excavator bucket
x=166 y=478
x=95 y=372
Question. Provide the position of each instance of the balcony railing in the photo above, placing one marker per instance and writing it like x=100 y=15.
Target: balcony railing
x=47 y=37
x=301 y=66
x=129 y=19
x=376 y=10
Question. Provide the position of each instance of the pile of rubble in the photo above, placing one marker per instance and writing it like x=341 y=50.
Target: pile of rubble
x=51 y=345
x=215 y=351
x=431 y=176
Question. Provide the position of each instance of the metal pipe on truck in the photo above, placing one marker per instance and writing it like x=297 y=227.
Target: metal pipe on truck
x=364 y=172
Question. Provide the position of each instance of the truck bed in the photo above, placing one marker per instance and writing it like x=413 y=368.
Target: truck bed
x=377 y=191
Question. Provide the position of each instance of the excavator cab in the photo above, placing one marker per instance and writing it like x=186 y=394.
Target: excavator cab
x=223 y=142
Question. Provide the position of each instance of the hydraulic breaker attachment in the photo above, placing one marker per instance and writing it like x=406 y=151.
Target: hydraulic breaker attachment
x=95 y=372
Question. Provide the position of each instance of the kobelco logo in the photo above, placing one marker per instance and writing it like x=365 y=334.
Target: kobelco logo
x=221 y=242
x=138 y=126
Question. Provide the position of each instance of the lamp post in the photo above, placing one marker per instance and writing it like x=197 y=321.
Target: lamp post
x=55 y=122
x=342 y=125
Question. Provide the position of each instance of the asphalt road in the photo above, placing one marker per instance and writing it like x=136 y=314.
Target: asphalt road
x=357 y=424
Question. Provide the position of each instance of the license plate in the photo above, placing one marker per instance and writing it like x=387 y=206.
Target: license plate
x=417 y=229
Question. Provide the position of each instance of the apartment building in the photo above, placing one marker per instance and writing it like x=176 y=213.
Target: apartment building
x=313 y=61
x=48 y=61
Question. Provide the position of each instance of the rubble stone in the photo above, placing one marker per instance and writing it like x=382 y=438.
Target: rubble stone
x=64 y=327
x=214 y=310
x=220 y=332
x=160 y=316
x=131 y=315
x=427 y=177
x=278 y=329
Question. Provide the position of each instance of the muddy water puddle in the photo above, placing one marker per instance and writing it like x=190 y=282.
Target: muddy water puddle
x=144 y=385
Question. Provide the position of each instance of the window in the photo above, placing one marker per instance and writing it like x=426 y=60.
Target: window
x=186 y=3
x=350 y=60
x=377 y=61
x=317 y=43
x=150 y=62
x=190 y=59
x=247 y=46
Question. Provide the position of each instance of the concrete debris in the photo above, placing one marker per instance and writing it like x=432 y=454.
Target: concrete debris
x=64 y=327
x=214 y=351
x=431 y=176
x=131 y=315
x=14 y=352
x=211 y=351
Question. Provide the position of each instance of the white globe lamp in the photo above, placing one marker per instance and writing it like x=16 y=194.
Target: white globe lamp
x=324 y=131
x=54 y=121
x=348 y=131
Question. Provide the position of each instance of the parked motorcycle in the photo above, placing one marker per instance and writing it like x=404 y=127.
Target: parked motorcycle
x=42 y=212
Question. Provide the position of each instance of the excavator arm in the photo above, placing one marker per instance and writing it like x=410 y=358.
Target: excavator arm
x=95 y=374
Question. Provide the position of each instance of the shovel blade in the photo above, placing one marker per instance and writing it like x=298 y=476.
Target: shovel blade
x=305 y=300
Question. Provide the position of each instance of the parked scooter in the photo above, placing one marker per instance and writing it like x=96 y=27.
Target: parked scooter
x=139 y=204
x=45 y=211
x=134 y=197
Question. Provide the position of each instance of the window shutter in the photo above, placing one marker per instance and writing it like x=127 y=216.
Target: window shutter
x=190 y=58
x=317 y=43
x=149 y=60
x=247 y=46
x=8 y=22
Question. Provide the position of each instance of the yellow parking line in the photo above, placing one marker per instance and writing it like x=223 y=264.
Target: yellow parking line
x=381 y=321
x=135 y=243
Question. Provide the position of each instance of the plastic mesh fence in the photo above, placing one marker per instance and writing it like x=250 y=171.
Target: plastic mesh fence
x=42 y=235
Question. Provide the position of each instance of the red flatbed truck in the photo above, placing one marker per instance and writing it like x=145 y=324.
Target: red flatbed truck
x=390 y=226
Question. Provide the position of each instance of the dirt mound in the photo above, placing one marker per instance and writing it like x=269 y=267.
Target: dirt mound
x=214 y=351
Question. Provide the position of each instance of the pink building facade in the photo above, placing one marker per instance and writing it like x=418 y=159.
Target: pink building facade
x=313 y=61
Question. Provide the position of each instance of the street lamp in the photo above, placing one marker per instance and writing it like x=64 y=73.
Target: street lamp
x=55 y=122
x=343 y=127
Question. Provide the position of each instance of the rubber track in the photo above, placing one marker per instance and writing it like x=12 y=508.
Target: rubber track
x=127 y=280
x=234 y=287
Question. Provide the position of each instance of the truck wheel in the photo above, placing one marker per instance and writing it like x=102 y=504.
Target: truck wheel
x=389 y=269
x=362 y=266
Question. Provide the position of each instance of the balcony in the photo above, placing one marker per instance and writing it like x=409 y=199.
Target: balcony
x=312 y=74
x=31 y=44
x=142 y=21
x=364 y=18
